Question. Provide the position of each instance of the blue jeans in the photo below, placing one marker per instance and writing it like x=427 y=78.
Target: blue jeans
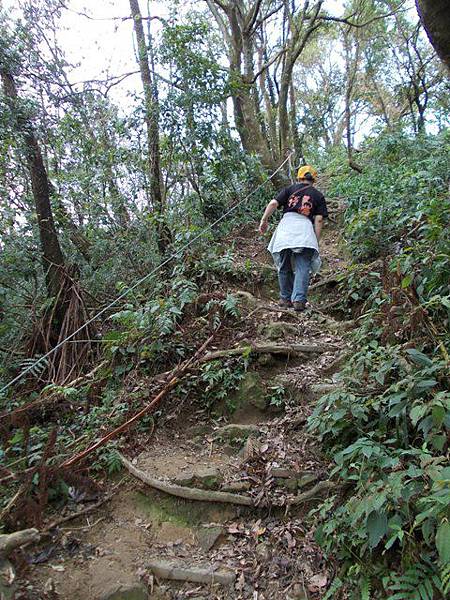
x=294 y=284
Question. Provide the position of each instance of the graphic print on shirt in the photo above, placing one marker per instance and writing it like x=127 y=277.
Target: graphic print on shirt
x=300 y=204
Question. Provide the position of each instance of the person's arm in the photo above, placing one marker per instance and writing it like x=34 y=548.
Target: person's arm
x=322 y=213
x=270 y=208
x=318 y=223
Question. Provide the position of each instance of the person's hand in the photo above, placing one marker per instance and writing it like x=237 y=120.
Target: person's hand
x=263 y=226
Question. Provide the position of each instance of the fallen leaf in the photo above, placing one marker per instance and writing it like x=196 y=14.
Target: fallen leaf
x=58 y=568
x=317 y=582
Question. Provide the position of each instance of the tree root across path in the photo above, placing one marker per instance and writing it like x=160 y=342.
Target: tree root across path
x=186 y=492
x=289 y=350
x=11 y=541
x=212 y=496
x=177 y=571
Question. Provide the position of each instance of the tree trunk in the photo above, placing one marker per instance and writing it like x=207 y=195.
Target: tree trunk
x=268 y=106
x=244 y=102
x=296 y=139
x=237 y=26
x=435 y=16
x=294 y=47
x=351 y=68
x=52 y=256
x=283 y=116
x=151 y=119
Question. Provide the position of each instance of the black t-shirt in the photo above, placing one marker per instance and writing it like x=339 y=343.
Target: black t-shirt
x=304 y=199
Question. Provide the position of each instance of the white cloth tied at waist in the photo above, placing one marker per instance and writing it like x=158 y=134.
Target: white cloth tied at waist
x=296 y=232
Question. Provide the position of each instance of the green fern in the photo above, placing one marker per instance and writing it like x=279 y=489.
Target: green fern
x=35 y=366
x=417 y=583
x=113 y=462
x=230 y=306
x=445 y=579
x=365 y=589
x=334 y=587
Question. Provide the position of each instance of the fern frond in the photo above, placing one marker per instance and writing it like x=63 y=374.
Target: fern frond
x=334 y=587
x=35 y=366
x=417 y=583
x=445 y=579
x=365 y=589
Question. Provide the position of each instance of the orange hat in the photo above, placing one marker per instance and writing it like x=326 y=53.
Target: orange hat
x=303 y=171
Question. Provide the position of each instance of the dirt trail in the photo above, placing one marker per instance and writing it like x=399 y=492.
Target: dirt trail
x=269 y=550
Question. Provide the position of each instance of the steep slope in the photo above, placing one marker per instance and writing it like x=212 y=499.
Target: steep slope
x=252 y=444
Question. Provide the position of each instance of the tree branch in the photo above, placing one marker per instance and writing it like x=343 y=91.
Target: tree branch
x=359 y=25
x=265 y=349
x=219 y=20
x=266 y=65
x=272 y=12
x=250 y=21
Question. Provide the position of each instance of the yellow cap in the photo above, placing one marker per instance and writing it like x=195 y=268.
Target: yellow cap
x=303 y=171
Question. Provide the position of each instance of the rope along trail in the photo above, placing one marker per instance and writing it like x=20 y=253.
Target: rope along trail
x=145 y=278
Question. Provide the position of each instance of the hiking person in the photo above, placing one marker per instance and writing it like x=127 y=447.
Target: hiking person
x=295 y=243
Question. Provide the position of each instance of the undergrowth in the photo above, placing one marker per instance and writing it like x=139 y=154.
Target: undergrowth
x=387 y=425
x=154 y=331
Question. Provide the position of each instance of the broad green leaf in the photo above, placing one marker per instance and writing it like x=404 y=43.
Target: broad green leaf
x=438 y=414
x=406 y=281
x=419 y=357
x=423 y=385
x=377 y=526
x=398 y=408
x=446 y=301
x=427 y=530
x=438 y=442
x=417 y=413
x=443 y=541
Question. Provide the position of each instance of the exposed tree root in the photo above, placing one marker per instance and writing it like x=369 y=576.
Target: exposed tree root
x=47 y=398
x=185 y=492
x=11 y=503
x=173 y=381
x=179 y=572
x=212 y=496
x=317 y=490
x=289 y=350
x=66 y=317
x=80 y=513
x=328 y=281
x=11 y=541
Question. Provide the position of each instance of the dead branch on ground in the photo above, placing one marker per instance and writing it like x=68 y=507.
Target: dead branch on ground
x=11 y=541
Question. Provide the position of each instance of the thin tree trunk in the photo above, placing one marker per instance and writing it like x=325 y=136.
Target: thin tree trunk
x=294 y=47
x=269 y=109
x=351 y=64
x=151 y=119
x=52 y=256
x=238 y=27
x=296 y=139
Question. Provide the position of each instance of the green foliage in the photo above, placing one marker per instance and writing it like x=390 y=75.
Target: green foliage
x=277 y=395
x=445 y=578
x=217 y=380
x=387 y=426
x=419 y=582
x=229 y=307
x=111 y=459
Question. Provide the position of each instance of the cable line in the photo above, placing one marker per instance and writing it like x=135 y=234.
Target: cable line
x=140 y=281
